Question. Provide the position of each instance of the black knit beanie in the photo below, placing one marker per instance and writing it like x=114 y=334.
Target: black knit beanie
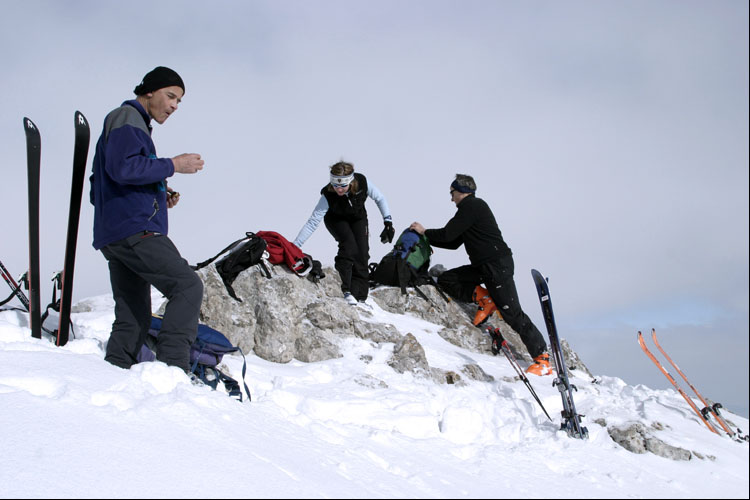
x=158 y=78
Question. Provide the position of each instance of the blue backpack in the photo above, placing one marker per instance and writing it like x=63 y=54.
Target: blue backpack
x=406 y=265
x=206 y=353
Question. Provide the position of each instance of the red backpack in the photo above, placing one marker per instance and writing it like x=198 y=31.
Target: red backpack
x=282 y=251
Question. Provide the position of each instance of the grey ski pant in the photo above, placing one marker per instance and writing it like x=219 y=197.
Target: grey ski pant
x=136 y=263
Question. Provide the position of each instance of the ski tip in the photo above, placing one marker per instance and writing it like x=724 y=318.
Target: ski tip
x=538 y=275
x=80 y=120
x=28 y=124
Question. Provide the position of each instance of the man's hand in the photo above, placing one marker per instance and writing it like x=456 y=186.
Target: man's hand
x=187 y=163
x=416 y=226
x=172 y=197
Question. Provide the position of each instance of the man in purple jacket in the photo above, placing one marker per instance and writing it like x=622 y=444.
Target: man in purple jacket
x=130 y=196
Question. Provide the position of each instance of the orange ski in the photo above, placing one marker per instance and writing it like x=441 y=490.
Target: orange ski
x=674 y=383
x=706 y=407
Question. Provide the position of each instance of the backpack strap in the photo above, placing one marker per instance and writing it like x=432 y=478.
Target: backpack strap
x=403 y=274
x=440 y=291
x=264 y=269
x=203 y=264
x=421 y=294
x=10 y=297
x=55 y=305
x=244 y=370
x=230 y=384
x=430 y=282
x=415 y=276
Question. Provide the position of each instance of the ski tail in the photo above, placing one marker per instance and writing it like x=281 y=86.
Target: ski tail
x=33 y=159
x=707 y=409
x=80 y=155
x=671 y=379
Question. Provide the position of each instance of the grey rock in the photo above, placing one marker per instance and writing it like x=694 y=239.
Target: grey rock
x=409 y=356
x=637 y=438
x=475 y=372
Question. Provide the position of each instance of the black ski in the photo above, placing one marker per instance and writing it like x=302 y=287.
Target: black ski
x=571 y=419
x=80 y=155
x=15 y=287
x=33 y=155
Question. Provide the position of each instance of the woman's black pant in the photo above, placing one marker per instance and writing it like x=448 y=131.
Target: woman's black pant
x=353 y=255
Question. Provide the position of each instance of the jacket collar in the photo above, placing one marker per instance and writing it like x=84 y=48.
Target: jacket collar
x=471 y=195
x=144 y=114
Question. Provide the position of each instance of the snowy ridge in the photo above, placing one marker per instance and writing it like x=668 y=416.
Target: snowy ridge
x=352 y=427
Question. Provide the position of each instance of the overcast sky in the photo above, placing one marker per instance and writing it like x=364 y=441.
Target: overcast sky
x=610 y=139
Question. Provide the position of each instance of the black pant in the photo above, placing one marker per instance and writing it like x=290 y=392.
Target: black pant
x=136 y=263
x=353 y=255
x=497 y=277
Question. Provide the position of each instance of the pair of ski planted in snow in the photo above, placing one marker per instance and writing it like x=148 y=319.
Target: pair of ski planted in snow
x=707 y=410
x=33 y=153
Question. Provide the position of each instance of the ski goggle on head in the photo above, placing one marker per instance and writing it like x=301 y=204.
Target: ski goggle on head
x=341 y=181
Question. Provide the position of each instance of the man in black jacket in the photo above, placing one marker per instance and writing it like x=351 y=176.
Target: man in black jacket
x=474 y=226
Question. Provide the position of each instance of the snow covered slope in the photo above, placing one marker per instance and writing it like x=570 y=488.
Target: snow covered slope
x=75 y=426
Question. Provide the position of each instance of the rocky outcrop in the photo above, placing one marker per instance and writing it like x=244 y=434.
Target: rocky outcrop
x=288 y=317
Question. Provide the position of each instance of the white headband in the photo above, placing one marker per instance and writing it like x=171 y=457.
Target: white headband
x=342 y=180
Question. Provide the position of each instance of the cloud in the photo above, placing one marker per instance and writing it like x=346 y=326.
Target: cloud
x=609 y=139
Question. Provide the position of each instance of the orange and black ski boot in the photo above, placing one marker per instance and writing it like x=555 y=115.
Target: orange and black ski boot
x=485 y=305
x=540 y=366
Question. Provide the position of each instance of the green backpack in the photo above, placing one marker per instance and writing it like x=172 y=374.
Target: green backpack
x=415 y=249
x=406 y=265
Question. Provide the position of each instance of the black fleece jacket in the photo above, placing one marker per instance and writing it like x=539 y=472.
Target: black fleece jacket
x=475 y=227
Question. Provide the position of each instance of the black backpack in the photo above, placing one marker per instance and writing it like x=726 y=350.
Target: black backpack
x=243 y=253
x=407 y=265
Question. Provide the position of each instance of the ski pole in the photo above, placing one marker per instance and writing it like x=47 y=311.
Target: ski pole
x=496 y=336
x=15 y=287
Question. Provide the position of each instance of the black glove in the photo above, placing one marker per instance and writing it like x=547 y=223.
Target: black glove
x=316 y=273
x=387 y=235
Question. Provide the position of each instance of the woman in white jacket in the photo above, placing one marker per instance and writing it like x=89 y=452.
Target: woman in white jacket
x=342 y=208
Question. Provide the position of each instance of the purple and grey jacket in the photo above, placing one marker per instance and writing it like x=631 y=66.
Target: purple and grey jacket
x=128 y=181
